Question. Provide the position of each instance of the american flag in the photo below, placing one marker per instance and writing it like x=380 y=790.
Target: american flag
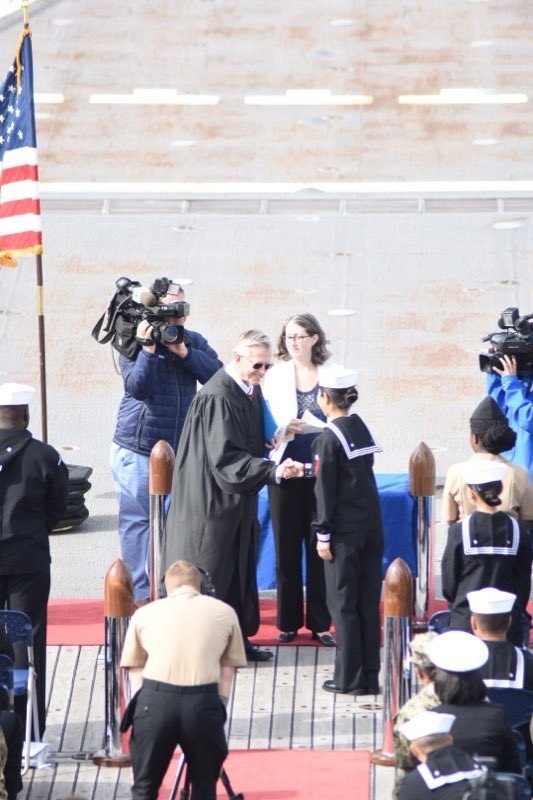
x=20 y=209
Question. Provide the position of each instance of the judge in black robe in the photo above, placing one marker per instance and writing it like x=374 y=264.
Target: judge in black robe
x=220 y=467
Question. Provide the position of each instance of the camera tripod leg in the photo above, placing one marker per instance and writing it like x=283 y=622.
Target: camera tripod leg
x=184 y=794
x=227 y=786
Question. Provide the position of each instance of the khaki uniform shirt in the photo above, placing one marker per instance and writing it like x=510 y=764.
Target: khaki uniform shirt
x=184 y=639
x=424 y=700
x=517 y=494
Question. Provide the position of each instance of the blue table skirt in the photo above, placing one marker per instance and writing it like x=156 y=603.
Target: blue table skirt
x=399 y=512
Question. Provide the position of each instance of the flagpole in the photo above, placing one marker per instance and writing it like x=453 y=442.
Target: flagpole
x=42 y=353
x=40 y=300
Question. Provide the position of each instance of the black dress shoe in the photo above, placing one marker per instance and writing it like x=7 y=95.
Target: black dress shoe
x=331 y=686
x=255 y=653
x=287 y=636
x=324 y=638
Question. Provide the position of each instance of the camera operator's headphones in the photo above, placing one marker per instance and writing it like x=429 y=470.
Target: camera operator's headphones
x=207 y=586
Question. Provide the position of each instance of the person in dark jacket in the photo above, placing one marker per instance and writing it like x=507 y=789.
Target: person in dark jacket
x=349 y=533
x=159 y=386
x=444 y=771
x=480 y=728
x=486 y=548
x=33 y=498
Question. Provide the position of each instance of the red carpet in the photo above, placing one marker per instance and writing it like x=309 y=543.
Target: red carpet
x=291 y=775
x=81 y=622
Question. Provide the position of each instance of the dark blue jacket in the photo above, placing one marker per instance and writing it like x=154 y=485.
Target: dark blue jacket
x=159 y=389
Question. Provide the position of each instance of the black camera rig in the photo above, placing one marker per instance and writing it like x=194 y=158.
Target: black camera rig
x=515 y=338
x=133 y=302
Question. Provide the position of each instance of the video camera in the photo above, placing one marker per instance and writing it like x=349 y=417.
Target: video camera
x=516 y=340
x=132 y=303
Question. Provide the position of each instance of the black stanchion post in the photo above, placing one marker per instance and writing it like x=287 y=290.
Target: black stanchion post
x=118 y=608
x=160 y=483
x=422 y=486
x=397 y=609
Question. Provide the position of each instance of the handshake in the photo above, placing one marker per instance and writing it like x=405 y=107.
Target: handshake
x=290 y=469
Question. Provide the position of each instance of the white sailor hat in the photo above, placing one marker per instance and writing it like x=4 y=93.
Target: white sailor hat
x=15 y=394
x=458 y=651
x=427 y=723
x=335 y=376
x=480 y=471
x=490 y=601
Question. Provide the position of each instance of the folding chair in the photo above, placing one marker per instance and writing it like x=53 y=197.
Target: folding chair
x=515 y=787
x=19 y=630
x=439 y=621
x=518 y=704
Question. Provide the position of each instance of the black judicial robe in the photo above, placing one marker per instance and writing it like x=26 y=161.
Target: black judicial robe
x=219 y=468
x=485 y=550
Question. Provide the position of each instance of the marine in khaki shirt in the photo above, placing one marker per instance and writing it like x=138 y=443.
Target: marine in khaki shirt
x=181 y=654
x=490 y=435
x=186 y=639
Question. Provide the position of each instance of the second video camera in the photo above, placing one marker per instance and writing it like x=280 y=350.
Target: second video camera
x=515 y=338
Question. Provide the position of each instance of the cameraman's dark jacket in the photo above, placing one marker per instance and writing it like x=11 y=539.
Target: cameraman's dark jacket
x=33 y=498
x=159 y=389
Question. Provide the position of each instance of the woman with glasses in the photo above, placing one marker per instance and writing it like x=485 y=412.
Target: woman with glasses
x=291 y=388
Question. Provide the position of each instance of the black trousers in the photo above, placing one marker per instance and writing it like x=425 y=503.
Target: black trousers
x=29 y=593
x=353 y=581
x=165 y=716
x=292 y=505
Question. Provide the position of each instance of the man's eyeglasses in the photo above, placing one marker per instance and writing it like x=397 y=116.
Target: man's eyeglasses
x=258 y=364
x=296 y=338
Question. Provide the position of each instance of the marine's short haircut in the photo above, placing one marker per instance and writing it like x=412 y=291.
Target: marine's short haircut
x=182 y=573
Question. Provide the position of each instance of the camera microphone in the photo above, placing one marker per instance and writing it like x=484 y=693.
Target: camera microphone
x=144 y=296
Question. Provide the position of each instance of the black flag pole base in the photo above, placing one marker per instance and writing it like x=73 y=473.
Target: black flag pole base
x=186 y=790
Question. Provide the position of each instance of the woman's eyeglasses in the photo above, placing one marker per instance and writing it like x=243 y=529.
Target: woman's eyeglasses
x=296 y=338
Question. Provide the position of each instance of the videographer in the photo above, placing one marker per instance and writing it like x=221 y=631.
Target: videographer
x=159 y=386
x=181 y=653
x=515 y=397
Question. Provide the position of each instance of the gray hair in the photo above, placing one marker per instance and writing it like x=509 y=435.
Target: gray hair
x=251 y=338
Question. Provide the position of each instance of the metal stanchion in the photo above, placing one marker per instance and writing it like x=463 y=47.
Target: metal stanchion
x=422 y=486
x=161 y=468
x=118 y=608
x=397 y=608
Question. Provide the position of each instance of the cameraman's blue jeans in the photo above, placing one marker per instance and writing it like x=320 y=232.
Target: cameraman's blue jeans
x=130 y=476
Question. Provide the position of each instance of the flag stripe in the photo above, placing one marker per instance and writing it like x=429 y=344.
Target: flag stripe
x=23 y=210
x=21 y=243
x=20 y=210
x=16 y=174
x=20 y=190
x=19 y=223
